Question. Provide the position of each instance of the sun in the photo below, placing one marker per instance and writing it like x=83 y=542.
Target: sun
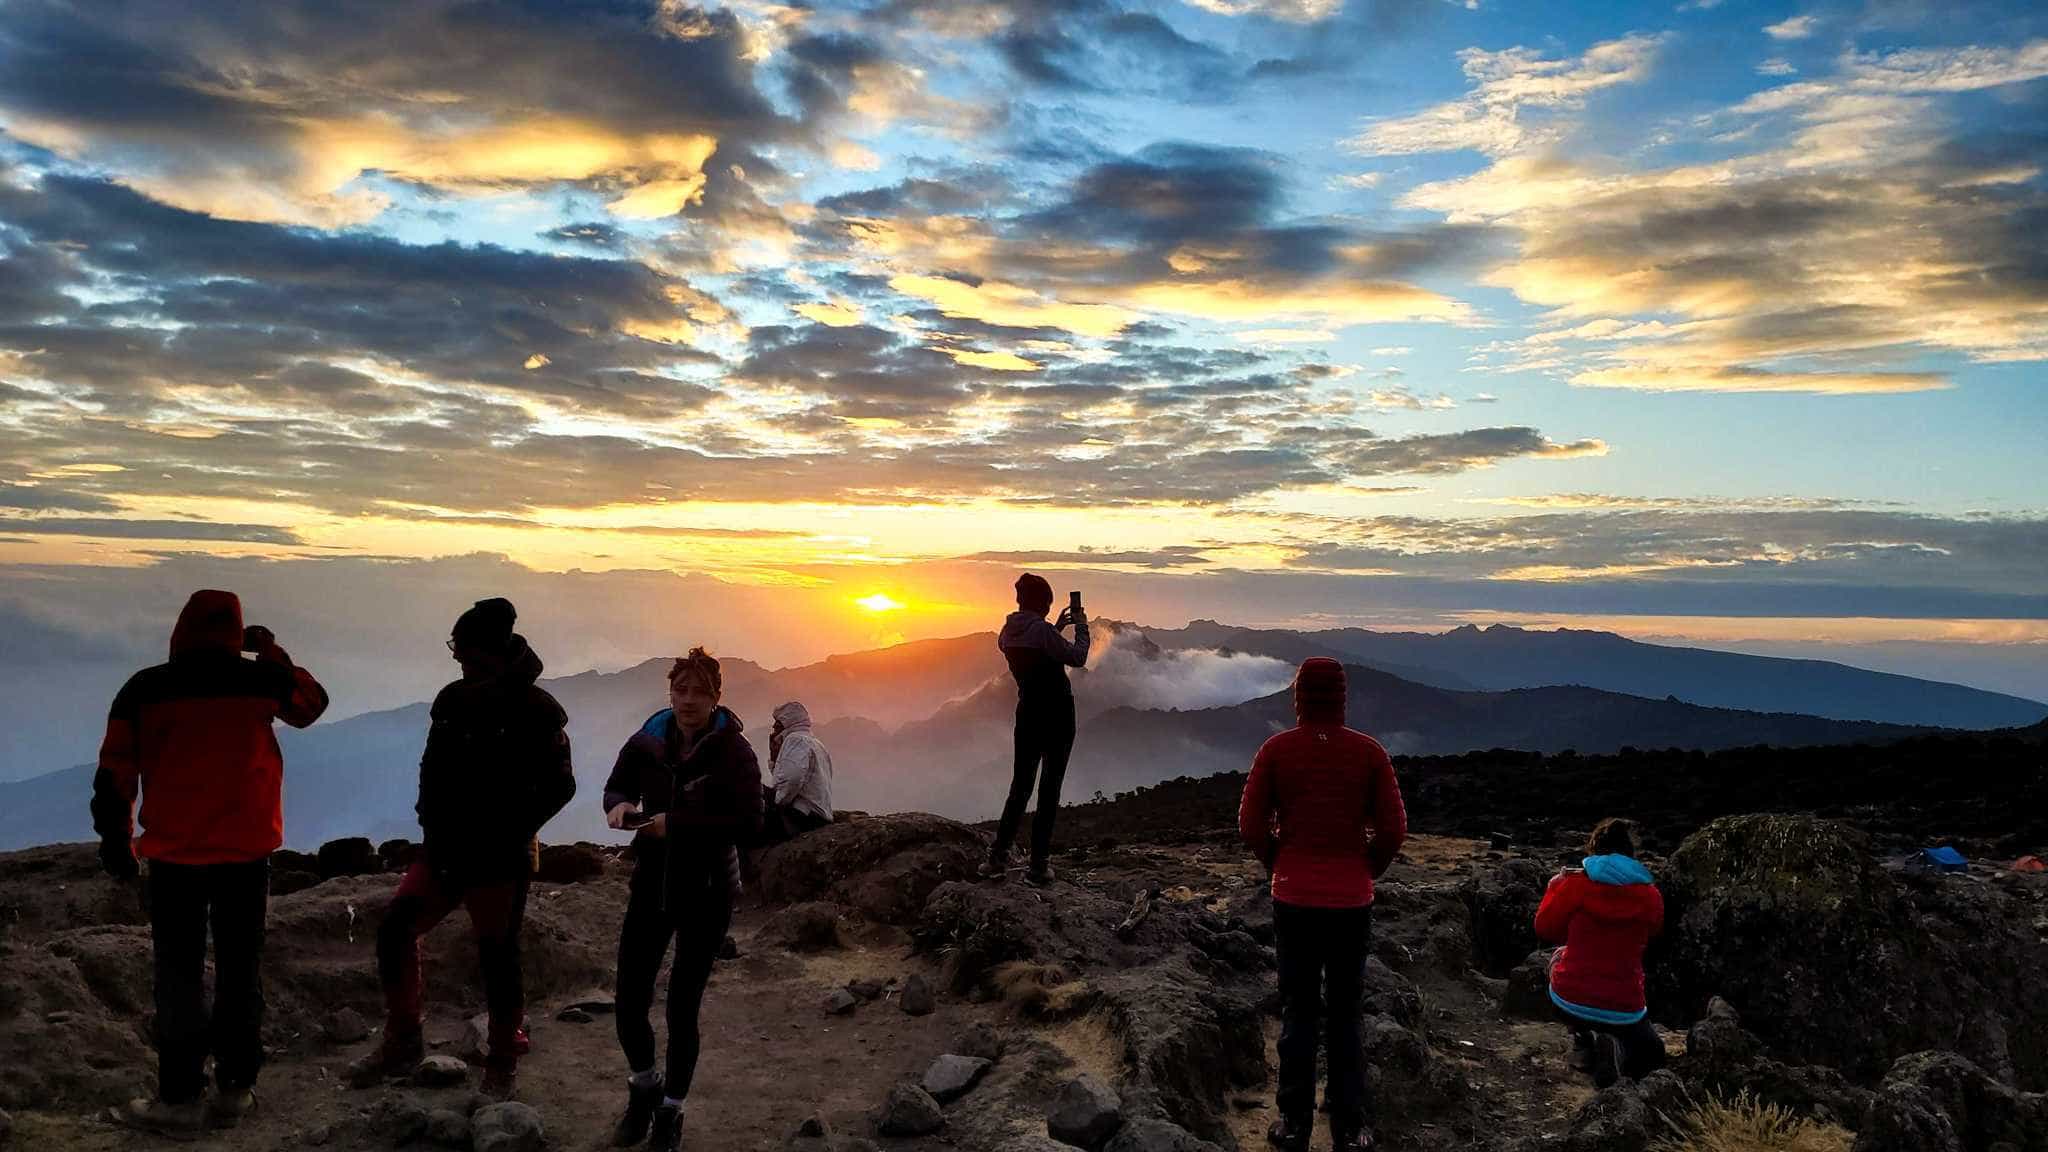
x=880 y=602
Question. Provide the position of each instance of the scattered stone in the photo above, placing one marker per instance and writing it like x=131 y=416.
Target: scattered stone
x=399 y=1119
x=910 y=1111
x=815 y=1126
x=917 y=998
x=728 y=949
x=866 y=989
x=1086 y=1113
x=347 y=1026
x=440 y=1072
x=61 y=1016
x=1035 y=1143
x=397 y=855
x=979 y=1039
x=352 y=856
x=951 y=1077
x=1615 y=1120
x=595 y=1003
x=573 y=1016
x=449 y=1128
x=808 y=927
x=1527 y=996
x=569 y=863
x=1156 y=1136
x=841 y=1002
x=475 y=1041
x=508 y=1127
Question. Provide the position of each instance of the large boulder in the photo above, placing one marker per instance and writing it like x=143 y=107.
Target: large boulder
x=1939 y=1101
x=808 y=926
x=1156 y=1136
x=1831 y=962
x=1408 y=1083
x=1187 y=1041
x=909 y=1111
x=569 y=863
x=350 y=856
x=883 y=867
x=1501 y=906
x=1086 y=1113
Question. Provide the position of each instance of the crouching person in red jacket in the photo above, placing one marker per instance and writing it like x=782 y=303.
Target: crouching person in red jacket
x=1604 y=914
x=194 y=737
x=495 y=770
x=1323 y=812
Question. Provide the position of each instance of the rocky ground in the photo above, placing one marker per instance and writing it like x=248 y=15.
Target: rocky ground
x=882 y=998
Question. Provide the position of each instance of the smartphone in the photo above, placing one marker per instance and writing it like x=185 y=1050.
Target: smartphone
x=636 y=819
x=1074 y=599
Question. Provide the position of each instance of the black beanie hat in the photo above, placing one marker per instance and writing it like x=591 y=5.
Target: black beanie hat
x=487 y=625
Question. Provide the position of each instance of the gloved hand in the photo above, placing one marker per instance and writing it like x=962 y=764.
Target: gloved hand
x=118 y=859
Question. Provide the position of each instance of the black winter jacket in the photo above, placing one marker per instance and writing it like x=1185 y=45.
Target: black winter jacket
x=712 y=795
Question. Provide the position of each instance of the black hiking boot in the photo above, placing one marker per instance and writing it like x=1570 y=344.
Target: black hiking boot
x=641 y=1101
x=393 y=1056
x=1581 y=1059
x=1040 y=875
x=1359 y=1141
x=667 y=1134
x=1288 y=1136
x=996 y=870
x=1606 y=1061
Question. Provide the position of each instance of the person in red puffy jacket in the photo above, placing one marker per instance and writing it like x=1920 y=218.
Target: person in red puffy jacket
x=1323 y=812
x=1604 y=914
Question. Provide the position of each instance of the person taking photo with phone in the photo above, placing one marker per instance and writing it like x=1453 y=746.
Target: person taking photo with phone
x=1039 y=658
x=496 y=769
x=193 y=737
x=689 y=787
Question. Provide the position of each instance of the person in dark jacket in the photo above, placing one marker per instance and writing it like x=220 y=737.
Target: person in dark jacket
x=496 y=769
x=1039 y=658
x=689 y=786
x=194 y=738
x=1604 y=914
x=1322 y=811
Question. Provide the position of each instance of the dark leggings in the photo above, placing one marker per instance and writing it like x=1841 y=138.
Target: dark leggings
x=697 y=917
x=1045 y=735
x=183 y=900
x=1322 y=949
x=1642 y=1050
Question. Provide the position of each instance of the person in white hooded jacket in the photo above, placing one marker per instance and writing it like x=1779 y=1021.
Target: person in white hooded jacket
x=800 y=800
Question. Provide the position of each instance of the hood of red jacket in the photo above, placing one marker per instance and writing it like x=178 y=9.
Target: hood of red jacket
x=1616 y=901
x=211 y=621
x=1319 y=687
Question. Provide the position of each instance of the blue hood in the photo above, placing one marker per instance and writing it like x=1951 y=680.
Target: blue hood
x=659 y=724
x=1619 y=871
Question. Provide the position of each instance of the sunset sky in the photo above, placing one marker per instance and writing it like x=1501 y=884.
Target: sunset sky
x=1706 y=320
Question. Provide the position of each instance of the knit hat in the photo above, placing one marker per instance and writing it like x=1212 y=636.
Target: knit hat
x=487 y=626
x=1319 y=690
x=1034 y=593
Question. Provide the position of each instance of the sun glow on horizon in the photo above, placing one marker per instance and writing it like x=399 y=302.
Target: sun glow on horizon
x=880 y=602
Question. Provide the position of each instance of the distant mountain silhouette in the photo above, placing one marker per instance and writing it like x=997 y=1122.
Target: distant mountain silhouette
x=1501 y=657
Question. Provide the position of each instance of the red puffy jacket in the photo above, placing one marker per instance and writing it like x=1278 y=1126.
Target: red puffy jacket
x=1604 y=929
x=1322 y=808
x=194 y=737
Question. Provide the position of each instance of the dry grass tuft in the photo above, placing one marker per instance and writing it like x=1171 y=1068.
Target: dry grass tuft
x=1046 y=991
x=1747 y=1125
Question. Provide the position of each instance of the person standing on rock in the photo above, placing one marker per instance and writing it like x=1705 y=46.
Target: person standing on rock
x=496 y=768
x=1039 y=658
x=689 y=784
x=1322 y=811
x=194 y=737
x=1604 y=914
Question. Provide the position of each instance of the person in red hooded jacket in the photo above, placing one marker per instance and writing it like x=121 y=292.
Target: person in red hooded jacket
x=1604 y=914
x=1323 y=812
x=193 y=737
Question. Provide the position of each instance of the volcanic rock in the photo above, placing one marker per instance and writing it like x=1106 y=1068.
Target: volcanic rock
x=909 y=1111
x=1086 y=1113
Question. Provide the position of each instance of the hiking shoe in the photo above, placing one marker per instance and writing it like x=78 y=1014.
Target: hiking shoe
x=1606 y=1061
x=1581 y=1059
x=394 y=1056
x=499 y=1082
x=1287 y=1136
x=641 y=1102
x=991 y=870
x=1360 y=1141
x=229 y=1105
x=667 y=1134
x=185 y=1121
x=1039 y=876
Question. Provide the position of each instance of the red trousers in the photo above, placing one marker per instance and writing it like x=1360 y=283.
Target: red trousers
x=495 y=914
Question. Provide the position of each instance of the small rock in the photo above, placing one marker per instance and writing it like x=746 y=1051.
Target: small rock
x=917 y=998
x=440 y=1072
x=1035 y=1143
x=866 y=989
x=840 y=1003
x=909 y=1111
x=979 y=1039
x=807 y=927
x=728 y=949
x=951 y=1077
x=508 y=1127
x=1156 y=1136
x=61 y=1016
x=573 y=1015
x=815 y=1126
x=448 y=1127
x=475 y=1040
x=400 y=1119
x=347 y=1026
x=595 y=1003
x=1086 y=1113
x=1527 y=996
